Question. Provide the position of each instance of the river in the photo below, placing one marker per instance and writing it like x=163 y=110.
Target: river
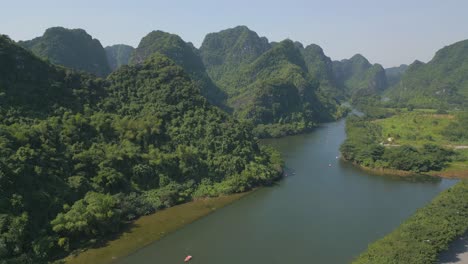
x=324 y=211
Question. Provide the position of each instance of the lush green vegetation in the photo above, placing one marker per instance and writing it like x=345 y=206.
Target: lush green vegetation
x=417 y=140
x=456 y=131
x=72 y=48
x=419 y=127
x=93 y=154
x=277 y=89
x=425 y=234
x=183 y=54
x=118 y=55
x=280 y=104
x=441 y=83
x=271 y=85
x=225 y=52
x=369 y=145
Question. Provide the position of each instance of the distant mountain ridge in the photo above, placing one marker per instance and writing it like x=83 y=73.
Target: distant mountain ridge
x=357 y=75
x=236 y=69
x=442 y=82
x=72 y=48
x=321 y=68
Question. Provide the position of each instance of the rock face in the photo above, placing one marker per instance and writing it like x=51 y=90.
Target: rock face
x=321 y=68
x=442 y=82
x=72 y=48
x=394 y=74
x=183 y=54
x=356 y=74
x=171 y=45
x=118 y=55
x=225 y=51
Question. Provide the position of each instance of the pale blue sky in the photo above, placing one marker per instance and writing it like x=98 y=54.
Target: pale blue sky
x=388 y=32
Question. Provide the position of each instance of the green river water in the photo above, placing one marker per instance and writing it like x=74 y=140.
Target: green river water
x=324 y=211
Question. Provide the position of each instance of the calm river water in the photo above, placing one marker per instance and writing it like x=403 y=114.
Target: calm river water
x=324 y=211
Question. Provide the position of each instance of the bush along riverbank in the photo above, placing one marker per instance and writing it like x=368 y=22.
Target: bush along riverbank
x=150 y=228
x=424 y=235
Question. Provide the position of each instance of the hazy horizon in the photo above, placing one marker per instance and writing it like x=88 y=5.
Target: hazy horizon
x=387 y=33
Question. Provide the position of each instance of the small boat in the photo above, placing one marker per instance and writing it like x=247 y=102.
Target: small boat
x=329 y=165
x=187 y=258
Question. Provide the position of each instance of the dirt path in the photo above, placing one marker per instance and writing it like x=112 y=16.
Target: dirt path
x=447 y=146
x=460 y=147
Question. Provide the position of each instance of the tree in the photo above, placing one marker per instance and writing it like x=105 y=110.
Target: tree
x=95 y=214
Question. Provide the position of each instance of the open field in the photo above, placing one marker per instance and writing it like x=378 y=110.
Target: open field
x=418 y=128
x=424 y=126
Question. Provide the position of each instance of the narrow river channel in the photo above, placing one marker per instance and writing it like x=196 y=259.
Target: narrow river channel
x=324 y=211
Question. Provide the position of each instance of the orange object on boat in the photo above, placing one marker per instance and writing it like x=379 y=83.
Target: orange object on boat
x=188 y=258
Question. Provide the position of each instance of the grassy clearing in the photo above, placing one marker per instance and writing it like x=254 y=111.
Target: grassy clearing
x=148 y=229
x=422 y=141
x=423 y=126
x=417 y=128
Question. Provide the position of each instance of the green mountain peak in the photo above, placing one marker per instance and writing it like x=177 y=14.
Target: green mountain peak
x=72 y=48
x=440 y=83
x=183 y=54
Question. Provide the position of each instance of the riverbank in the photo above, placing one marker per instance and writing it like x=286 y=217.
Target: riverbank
x=382 y=171
x=448 y=174
x=406 y=143
x=309 y=212
x=423 y=236
x=150 y=228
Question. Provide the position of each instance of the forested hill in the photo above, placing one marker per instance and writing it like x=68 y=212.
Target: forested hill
x=118 y=55
x=31 y=87
x=233 y=69
x=277 y=92
x=270 y=84
x=183 y=54
x=442 y=82
x=358 y=76
x=224 y=52
x=72 y=48
x=100 y=153
x=320 y=68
